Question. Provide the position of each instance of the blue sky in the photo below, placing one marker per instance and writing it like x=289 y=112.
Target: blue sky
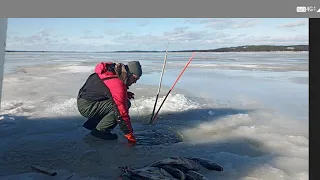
x=103 y=34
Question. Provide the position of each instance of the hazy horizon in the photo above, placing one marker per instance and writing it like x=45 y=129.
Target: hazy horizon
x=8 y=50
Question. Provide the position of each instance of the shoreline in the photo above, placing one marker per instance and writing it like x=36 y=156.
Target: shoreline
x=151 y=52
x=243 y=48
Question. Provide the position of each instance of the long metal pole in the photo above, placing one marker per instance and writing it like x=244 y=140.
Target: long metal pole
x=164 y=65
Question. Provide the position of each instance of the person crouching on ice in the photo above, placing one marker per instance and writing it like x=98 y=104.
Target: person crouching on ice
x=105 y=101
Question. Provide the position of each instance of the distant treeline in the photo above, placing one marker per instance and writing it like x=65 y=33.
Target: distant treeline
x=260 y=48
x=250 y=48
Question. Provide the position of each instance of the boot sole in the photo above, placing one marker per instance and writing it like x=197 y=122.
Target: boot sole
x=104 y=137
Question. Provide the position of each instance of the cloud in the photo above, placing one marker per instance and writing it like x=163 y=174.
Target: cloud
x=181 y=28
x=242 y=34
x=64 y=44
x=143 y=22
x=39 y=37
x=181 y=37
x=44 y=40
x=245 y=24
x=181 y=34
x=87 y=34
x=297 y=39
x=176 y=35
x=59 y=47
x=294 y=24
x=113 y=32
x=129 y=39
x=231 y=24
x=222 y=23
x=113 y=20
x=65 y=39
x=92 y=37
x=194 y=20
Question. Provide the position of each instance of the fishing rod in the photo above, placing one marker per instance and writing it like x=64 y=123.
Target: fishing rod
x=185 y=67
x=164 y=65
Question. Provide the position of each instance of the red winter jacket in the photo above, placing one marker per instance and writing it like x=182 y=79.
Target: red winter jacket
x=118 y=90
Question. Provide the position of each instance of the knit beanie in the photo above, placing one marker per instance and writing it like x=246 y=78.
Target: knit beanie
x=135 y=68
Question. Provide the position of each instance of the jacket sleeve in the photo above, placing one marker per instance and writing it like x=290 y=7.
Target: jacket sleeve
x=119 y=95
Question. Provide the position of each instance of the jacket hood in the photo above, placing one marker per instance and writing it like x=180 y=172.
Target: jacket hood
x=101 y=68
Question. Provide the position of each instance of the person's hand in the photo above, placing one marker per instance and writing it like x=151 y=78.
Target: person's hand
x=131 y=139
x=130 y=95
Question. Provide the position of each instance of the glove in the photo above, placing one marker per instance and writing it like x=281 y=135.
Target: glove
x=130 y=95
x=130 y=137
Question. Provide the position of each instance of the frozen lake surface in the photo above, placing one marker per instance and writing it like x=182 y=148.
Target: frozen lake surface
x=247 y=112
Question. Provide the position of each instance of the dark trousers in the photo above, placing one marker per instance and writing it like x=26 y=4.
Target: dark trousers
x=100 y=114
